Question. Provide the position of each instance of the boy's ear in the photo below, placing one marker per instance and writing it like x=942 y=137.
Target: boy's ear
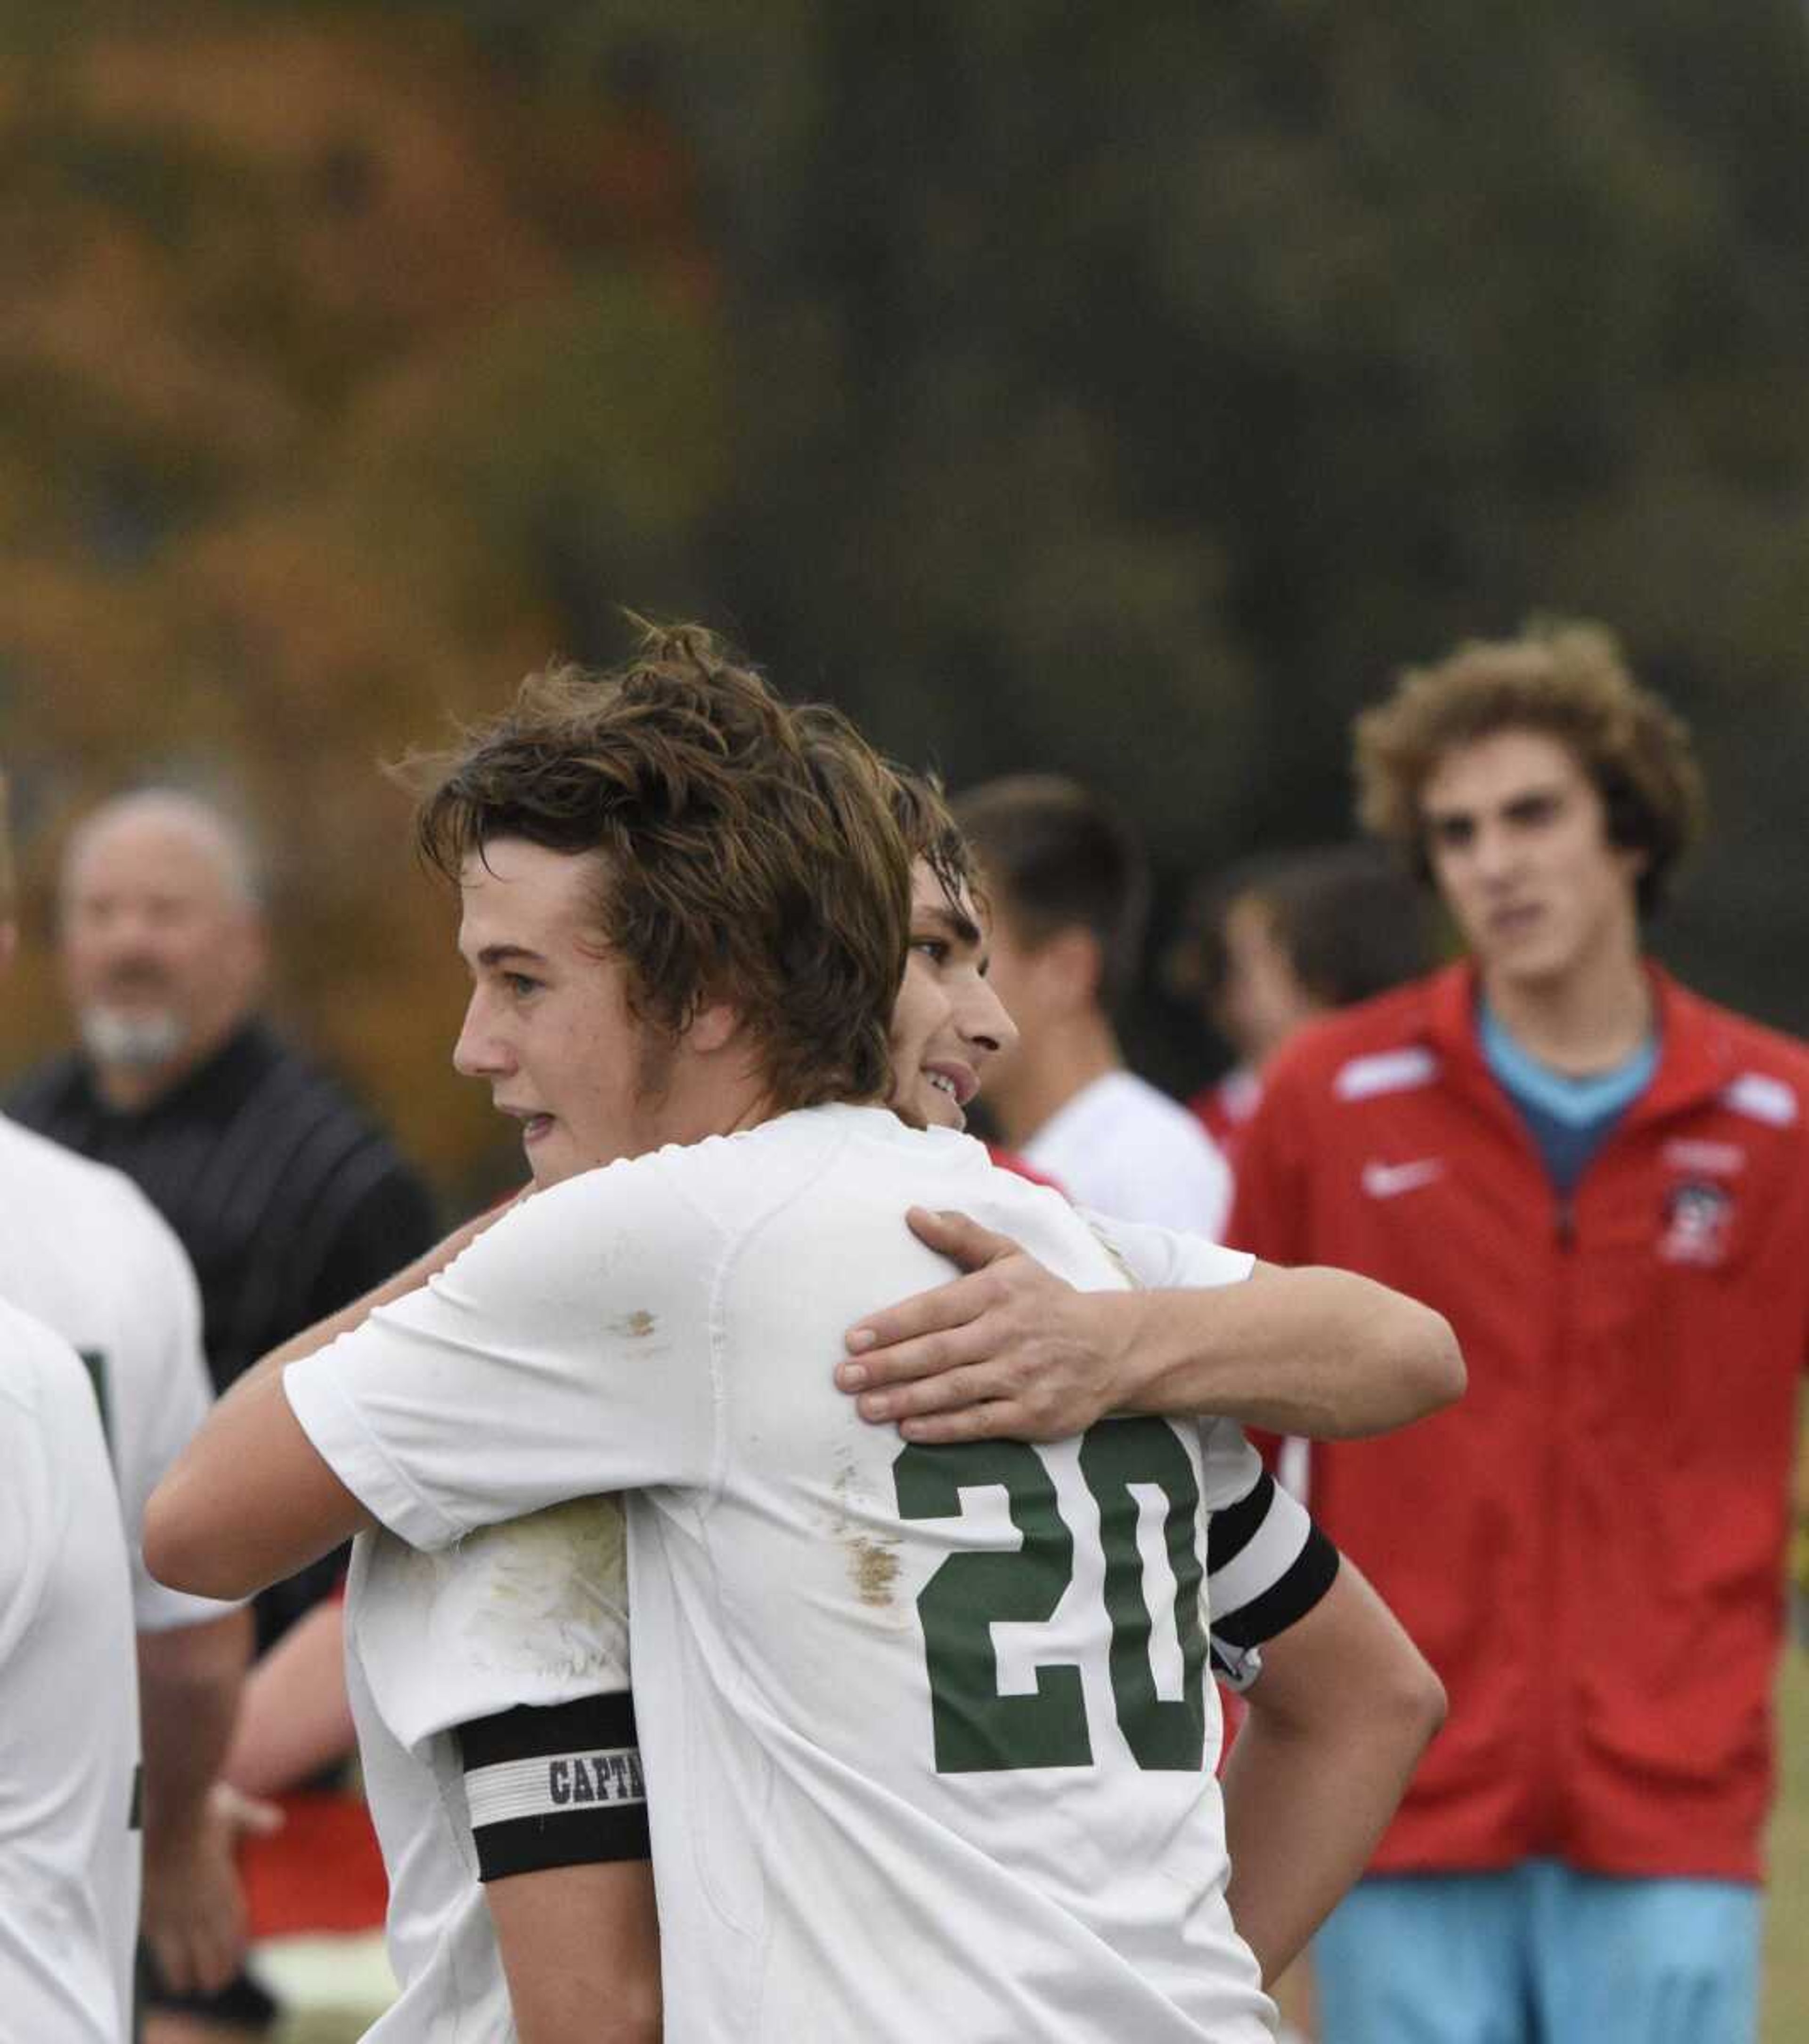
x=714 y=1025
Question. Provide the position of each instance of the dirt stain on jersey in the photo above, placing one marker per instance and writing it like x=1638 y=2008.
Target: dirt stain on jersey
x=637 y=1326
x=874 y=1565
x=547 y=1592
x=873 y=1558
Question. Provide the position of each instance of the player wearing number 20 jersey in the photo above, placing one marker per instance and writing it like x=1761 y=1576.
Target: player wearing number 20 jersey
x=927 y=1733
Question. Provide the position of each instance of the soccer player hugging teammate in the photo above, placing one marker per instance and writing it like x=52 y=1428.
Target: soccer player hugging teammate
x=686 y=910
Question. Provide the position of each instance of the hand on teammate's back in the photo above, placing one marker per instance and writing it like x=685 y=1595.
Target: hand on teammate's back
x=1007 y=1350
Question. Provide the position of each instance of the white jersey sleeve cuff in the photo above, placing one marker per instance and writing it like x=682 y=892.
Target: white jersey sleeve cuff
x=330 y=1420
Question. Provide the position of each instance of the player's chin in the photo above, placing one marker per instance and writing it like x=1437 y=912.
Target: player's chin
x=550 y=1162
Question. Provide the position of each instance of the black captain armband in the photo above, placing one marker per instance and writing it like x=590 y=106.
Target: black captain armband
x=1267 y=1564
x=557 y=1785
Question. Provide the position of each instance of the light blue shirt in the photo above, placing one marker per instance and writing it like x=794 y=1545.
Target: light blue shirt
x=1569 y=1118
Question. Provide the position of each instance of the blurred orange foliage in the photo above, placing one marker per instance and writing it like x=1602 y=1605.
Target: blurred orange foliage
x=285 y=299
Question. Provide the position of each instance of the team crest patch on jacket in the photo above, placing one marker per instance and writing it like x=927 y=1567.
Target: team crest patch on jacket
x=1698 y=1217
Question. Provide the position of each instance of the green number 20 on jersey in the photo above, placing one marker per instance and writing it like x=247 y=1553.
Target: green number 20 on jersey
x=976 y=1729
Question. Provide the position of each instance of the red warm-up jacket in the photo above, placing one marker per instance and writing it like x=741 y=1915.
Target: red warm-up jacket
x=1589 y=1547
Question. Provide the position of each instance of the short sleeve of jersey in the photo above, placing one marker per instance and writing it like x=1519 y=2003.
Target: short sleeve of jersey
x=1164 y=1259
x=167 y=1413
x=568 y=1351
x=516 y=1643
x=1267 y=1564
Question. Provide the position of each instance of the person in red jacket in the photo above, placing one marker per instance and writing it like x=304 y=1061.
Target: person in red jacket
x=1602 y=1181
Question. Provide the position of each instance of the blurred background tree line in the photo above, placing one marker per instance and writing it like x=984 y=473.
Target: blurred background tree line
x=1123 y=391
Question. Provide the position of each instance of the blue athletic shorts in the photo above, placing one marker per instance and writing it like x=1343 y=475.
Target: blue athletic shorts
x=1540 y=1954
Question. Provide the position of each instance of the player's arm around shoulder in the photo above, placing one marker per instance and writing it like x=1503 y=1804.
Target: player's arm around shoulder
x=251 y=1499
x=1323 y=1353
x=543 y=1337
x=1010 y=1350
x=1343 y=1707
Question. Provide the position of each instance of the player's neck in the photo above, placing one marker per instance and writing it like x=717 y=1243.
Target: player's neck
x=717 y=1101
x=1068 y=1055
x=1587 y=1020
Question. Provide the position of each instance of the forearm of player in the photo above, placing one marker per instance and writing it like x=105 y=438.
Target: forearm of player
x=1319 y=1352
x=1344 y=1707
x=1011 y=1349
x=189 y=1680
x=294 y=1717
x=579 y=1949
x=249 y=1500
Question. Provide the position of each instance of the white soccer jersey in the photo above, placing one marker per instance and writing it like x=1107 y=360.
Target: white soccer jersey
x=478 y=1677
x=1123 y=1147
x=85 y=1251
x=490 y=1682
x=926 y=1730
x=68 y=1707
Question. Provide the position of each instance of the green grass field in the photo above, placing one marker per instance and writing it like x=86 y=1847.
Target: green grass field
x=1786 y=1913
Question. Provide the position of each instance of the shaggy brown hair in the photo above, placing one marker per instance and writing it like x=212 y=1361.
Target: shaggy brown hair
x=921 y=809
x=730 y=865
x=1567 y=680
